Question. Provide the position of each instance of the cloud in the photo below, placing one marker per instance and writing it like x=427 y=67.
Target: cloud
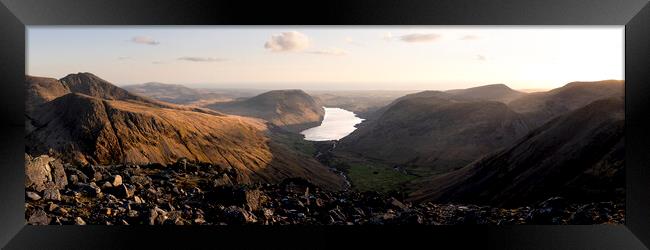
x=329 y=52
x=144 y=40
x=157 y=62
x=419 y=37
x=124 y=58
x=469 y=37
x=480 y=57
x=201 y=59
x=287 y=41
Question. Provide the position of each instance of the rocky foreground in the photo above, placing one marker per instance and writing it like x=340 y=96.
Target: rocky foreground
x=185 y=193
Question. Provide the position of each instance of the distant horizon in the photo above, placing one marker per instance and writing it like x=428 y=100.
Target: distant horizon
x=227 y=86
x=329 y=58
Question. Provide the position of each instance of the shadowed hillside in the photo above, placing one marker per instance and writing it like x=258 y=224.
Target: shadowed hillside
x=540 y=107
x=578 y=155
x=426 y=131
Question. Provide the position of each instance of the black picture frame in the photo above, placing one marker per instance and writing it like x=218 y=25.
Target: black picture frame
x=15 y=15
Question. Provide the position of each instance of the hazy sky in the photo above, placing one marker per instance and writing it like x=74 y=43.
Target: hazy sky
x=398 y=57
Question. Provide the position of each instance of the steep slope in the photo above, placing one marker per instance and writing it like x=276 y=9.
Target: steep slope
x=423 y=130
x=40 y=90
x=493 y=92
x=579 y=155
x=293 y=110
x=116 y=127
x=540 y=107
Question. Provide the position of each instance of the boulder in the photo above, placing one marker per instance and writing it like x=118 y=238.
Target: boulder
x=253 y=199
x=79 y=221
x=123 y=191
x=116 y=180
x=398 y=204
x=221 y=181
x=91 y=189
x=140 y=181
x=33 y=196
x=39 y=217
x=51 y=192
x=107 y=185
x=157 y=216
x=43 y=169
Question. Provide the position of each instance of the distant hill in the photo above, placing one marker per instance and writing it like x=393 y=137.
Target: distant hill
x=362 y=102
x=432 y=130
x=179 y=94
x=100 y=123
x=293 y=110
x=540 y=107
x=579 y=155
x=493 y=92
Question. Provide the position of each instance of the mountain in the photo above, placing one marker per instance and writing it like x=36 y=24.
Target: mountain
x=40 y=90
x=493 y=92
x=431 y=130
x=91 y=85
x=540 y=107
x=578 y=155
x=100 y=123
x=293 y=110
x=179 y=94
x=423 y=94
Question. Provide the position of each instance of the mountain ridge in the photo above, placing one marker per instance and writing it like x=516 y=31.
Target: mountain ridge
x=578 y=155
x=116 y=127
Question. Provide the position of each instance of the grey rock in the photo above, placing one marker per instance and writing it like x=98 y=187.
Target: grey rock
x=51 y=192
x=89 y=189
x=39 y=217
x=58 y=174
x=43 y=169
x=33 y=196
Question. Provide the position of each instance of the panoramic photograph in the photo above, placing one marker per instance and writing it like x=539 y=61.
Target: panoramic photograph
x=331 y=125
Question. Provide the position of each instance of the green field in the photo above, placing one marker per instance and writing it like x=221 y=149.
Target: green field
x=369 y=176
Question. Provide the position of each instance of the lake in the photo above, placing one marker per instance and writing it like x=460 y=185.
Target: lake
x=336 y=124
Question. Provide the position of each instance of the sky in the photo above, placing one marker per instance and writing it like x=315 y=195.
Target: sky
x=330 y=57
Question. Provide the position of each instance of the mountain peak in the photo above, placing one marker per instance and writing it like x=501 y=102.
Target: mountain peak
x=495 y=92
x=82 y=76
x=496 y=86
